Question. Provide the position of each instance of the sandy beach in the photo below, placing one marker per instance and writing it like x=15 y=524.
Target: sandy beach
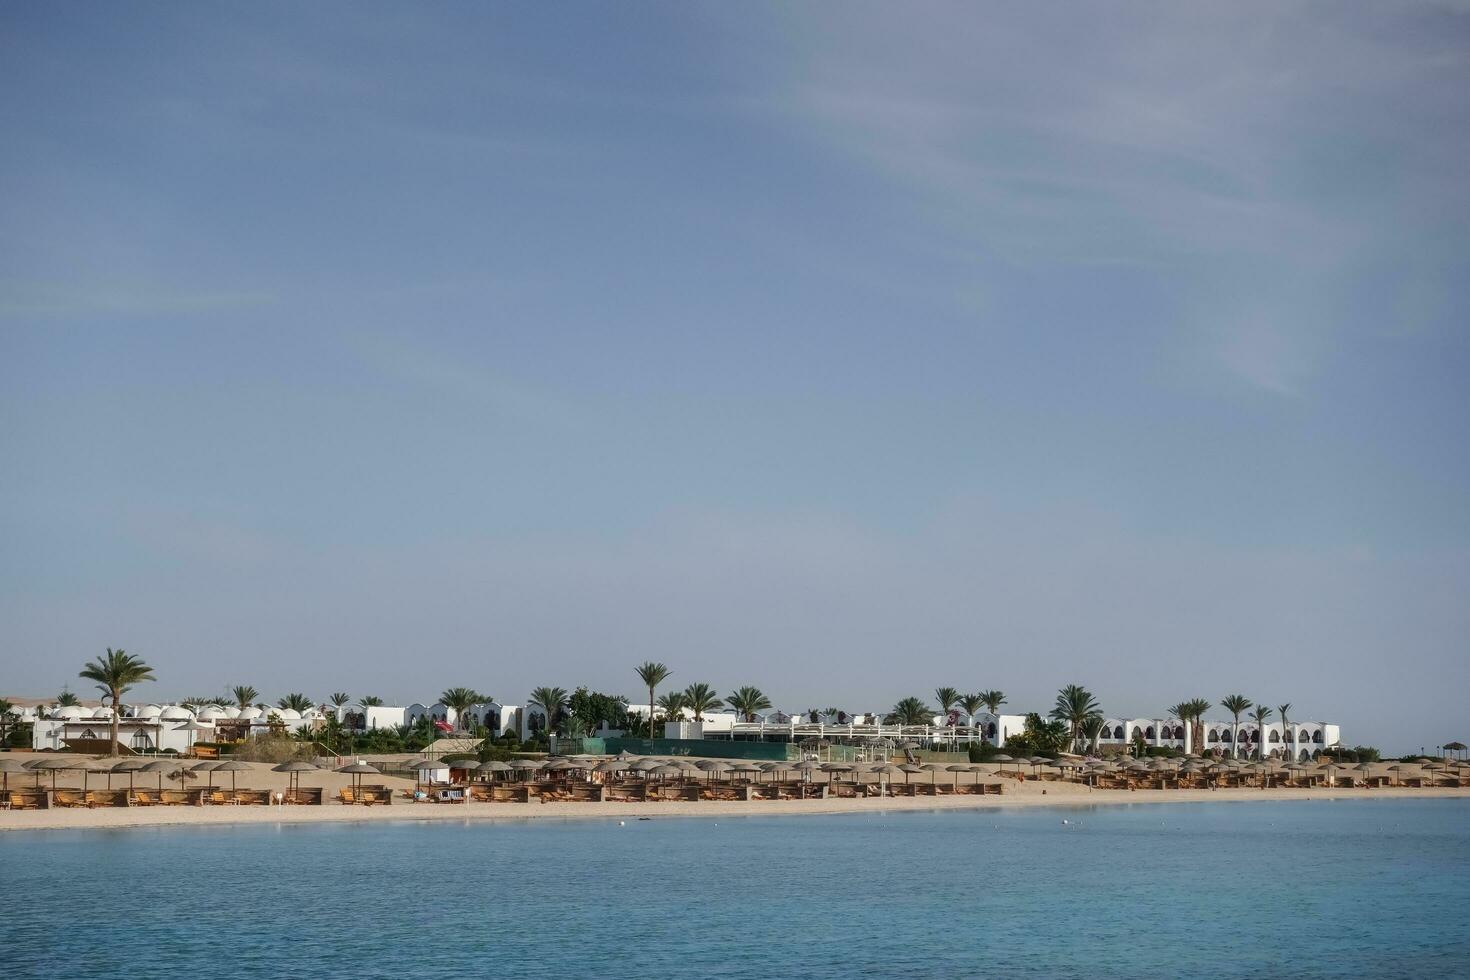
x=1030 y=793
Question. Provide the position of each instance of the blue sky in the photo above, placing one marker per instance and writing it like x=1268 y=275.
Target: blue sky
x=844 y=350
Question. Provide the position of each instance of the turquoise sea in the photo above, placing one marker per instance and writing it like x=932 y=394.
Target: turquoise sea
x=1309 y=888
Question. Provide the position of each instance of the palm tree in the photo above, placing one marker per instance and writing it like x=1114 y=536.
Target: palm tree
x=458 y=700
x=1091 y=730
x=699 y=698
x=1237 y=705
x=115 y=675
x=339 y=698
x=7 y=708
x=1075 y=704
x=550 y=700
x=1260 y=716
x=992 y=700
x=748 y=701
x=1190 y=712
x=946 y=696
x=244 y=695
x=652 y=674
x=1282 y=709
x=371 y=701
x=673 y=704
x=912 y=711
x=296 y=702
x=66 y=699
x=972 y=703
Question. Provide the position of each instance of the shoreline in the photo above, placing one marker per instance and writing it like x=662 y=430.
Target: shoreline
x=232 y=816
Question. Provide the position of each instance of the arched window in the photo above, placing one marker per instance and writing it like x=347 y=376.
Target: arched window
x=1275 y=737
x=141 y=740
x=1179 y=732
x=1225 y=736
x=1149 y=734
x=990 y=730
x=1317 y=736
x=494 y=723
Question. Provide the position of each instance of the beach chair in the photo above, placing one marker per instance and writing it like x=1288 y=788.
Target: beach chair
x=68 y=798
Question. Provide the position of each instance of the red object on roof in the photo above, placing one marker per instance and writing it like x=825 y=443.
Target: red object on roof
x=444 y=726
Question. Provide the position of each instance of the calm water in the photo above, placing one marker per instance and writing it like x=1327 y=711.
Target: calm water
x=1300 y=889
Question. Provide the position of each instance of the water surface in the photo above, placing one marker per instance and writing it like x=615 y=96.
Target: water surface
x=1290 y=889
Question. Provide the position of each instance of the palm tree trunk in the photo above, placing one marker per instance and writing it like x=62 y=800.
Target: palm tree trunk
x=112 y=749
x=650 y=714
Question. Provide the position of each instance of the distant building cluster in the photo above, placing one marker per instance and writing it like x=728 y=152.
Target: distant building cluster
x=163 y=727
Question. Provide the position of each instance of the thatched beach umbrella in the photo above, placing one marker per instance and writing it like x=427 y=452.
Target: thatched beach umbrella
x=806 y=767
x=715 y=768
x=836 y=768
x=53 y=766
x=1002 y=759
x=161 y=766
x=129 y=766
x=885 y=773
x=90 y=766
x=208 y=767
x=36 y=766
x=193 y=726
x=231 y=766
x=958 y=768
x=494 y=768
x=357 y=770
x=421 y=766
x=293 y=770
x=910 y=769
x=8 y=766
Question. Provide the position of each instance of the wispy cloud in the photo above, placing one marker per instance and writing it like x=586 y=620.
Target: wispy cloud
x=61 y=300
x=1221 y=150
x=461 y=377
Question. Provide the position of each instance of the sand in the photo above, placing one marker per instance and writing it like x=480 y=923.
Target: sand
x=1031 y=793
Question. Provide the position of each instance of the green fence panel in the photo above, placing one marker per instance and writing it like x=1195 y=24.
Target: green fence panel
x=709 y=748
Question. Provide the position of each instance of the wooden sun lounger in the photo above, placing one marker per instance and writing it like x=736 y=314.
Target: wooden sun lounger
x=29 y=799
x=68 y=798
x=145 y=797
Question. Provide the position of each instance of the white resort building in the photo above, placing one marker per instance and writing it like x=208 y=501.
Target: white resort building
x=163 y=727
